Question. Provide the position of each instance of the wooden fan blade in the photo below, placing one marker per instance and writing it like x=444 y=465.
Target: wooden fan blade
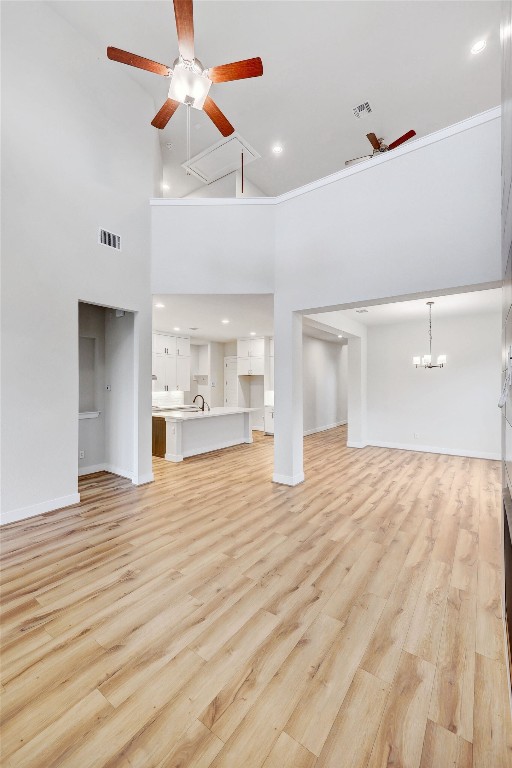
x=401 y=140
x=184 y=13
x=373 y=140
x=238 y=70
x=116 y=54
x=165 y=113
x=217 y=117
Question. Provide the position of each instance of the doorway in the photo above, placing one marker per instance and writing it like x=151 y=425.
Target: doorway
x=106 y=396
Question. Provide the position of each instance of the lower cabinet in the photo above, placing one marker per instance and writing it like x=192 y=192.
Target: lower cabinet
x=159 y=425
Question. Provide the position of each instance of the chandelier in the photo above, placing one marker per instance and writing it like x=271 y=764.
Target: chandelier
x=426 y=360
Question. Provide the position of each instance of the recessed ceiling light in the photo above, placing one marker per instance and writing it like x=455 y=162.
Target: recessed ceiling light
x=340 y=336
x=252 y=333
x=478 y=46
x=277 y=149
x=225 y=322
x=160 y=306
x=165 y=187
x=176 y=329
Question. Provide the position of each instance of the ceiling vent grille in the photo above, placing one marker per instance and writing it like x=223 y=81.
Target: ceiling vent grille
x=109 y=239
x=362 y=109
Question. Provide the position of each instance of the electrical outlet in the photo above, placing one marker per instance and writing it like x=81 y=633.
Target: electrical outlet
x=109 y=387
x=416 y=435
x=82 y=454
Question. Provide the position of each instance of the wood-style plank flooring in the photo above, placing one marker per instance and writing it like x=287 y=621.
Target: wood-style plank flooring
x=213 y=619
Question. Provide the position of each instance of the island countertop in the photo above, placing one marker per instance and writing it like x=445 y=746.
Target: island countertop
x=177 y=415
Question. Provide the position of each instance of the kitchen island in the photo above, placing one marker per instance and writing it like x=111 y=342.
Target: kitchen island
x=190 y=433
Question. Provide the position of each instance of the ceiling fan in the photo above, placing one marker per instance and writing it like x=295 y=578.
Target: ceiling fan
x=379 y=146
x=190 y=81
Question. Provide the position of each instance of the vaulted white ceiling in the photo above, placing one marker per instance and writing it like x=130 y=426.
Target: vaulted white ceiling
x=410 y=60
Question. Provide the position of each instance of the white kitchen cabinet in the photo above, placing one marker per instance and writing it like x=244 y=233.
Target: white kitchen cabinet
x=164 y=344
x=158 y=370
x=271 y=347
x=251 y=366
x=171 y=373
x=250 y=347
x=250 y=354
x=183 y=373
x=243 y=347
x=257 y=348
x=269 y=420
x=182 y=346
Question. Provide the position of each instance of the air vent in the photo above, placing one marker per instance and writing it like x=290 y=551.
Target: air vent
x=361 y=311
x=362 y=109
x=193 y=329
x=109 y=239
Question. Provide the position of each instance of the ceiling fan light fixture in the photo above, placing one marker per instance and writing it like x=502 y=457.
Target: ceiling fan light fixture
x=188 y=83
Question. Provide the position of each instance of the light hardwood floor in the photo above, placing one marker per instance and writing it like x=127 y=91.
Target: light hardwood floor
x=215 y=619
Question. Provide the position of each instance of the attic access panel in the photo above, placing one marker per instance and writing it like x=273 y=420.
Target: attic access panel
x=221 y=158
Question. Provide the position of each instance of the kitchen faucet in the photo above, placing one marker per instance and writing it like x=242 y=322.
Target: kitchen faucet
x=203 y=403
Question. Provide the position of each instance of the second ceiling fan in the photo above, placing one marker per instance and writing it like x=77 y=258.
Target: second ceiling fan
x=190 y=81
x=379 y=146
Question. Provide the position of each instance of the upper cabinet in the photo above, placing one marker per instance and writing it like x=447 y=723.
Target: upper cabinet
x=171 y=363
x=250 y=357
x=164 y=344
x=250 y=347
x=174 y=346
x=182 y=346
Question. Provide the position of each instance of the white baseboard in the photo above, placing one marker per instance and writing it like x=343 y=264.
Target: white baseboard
x=113 y=471
x=143 y=479
x=436 y=449
x=175 y=457
x=119 y=471
x=288 y=479
x=92 y=469
x=355 y=444
x=324 y=429
x=38 y=509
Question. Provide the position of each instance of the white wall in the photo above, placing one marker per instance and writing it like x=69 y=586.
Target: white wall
x=451 y=410
x=77 y=153
x=120 y=436
x=230 y=349
x=325 y=384
x=250 y=189
x=224 y=187
x=212 y=246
